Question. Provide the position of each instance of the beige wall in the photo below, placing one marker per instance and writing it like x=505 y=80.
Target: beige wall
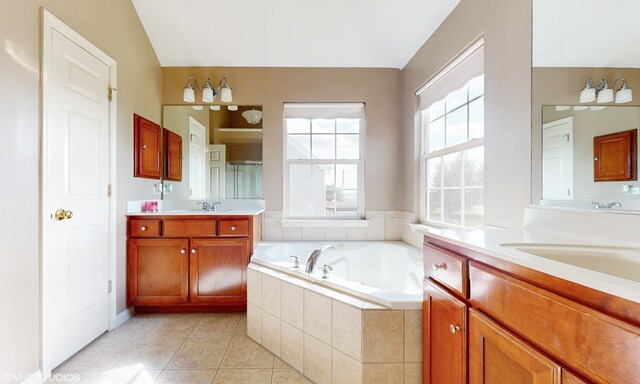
x=561 y=86
x=271 y=87
x=115 y=28
x=506 y=26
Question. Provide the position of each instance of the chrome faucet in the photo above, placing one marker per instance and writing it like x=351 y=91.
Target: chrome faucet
x=209 y=207
x=311 y=262
x=597 y=205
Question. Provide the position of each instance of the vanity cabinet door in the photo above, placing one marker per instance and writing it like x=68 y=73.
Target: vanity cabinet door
x=498 y=357
x=445 y=336
x=217 y=271
x=157 y=271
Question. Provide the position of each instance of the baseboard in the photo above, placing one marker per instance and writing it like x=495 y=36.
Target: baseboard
x=124 y=316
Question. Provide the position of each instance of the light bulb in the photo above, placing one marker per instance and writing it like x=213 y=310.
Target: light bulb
x=189 y=95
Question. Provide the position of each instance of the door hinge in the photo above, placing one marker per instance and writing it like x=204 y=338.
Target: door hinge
x=111 y=90
x=109 y=190
x=109 y=286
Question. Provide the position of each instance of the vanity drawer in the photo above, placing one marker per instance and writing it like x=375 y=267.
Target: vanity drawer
x=190 y=228
x=144 y=228
x=589 y=341
x=234 y=227
x=447 y=268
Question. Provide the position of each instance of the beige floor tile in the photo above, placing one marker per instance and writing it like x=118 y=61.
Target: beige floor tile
x=176 y=326
x=382 y=373
x=241 y=330
x=200 y=353
x=136 y=327
x=90 y=361
x=246 y=353
x=280 y=364
x=82 y=377
x=219 y=325
x=186 y=376
x=152 y=353
x=243 y=376
x=135 y=374
x=109 y=343
x=289 y=376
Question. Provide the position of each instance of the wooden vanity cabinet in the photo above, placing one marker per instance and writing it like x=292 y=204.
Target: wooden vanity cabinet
x=523 y=326
x=190 y=263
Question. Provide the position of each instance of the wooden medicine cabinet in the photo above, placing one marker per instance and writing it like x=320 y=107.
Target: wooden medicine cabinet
x=614 y=156
x=147 y=148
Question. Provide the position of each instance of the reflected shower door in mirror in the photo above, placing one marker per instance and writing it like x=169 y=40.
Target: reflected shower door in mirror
x=573 y=159
x=572 y=42
x=221 y=151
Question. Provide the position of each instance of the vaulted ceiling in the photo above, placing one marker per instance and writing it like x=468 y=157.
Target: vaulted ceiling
x=290 y=33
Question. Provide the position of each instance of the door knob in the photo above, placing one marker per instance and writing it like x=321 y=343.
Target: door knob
x=61 y=214
x=193 y=250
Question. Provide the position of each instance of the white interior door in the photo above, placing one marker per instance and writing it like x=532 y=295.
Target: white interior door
x=196 y=159
x=557 y=159
x=217 y=170
x=75 y=178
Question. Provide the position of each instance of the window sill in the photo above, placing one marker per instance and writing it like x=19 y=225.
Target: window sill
x=316 y=223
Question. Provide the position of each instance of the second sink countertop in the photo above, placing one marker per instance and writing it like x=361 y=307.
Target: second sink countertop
x=189 y=212
x=488 y=240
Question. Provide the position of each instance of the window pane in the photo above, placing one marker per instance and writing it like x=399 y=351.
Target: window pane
x=298 y=125
x=474 y=167
x=476 y=87
x=323 y=126
x=457 y=127
x=436 y=135
x=434 y=174
x=452 y=169
x=346 y=202
x=456 y=98
x=323 y=146
x=347 y=176
x=436 y=110
x=348 y=146
x=348 y=125
x=298 y=147
x=452 y=214
x=476 y=119
x=474 y=207
x=434 y=205
x=300 y=177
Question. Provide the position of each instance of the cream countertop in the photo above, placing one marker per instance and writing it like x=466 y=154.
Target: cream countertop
x=189 y=212
x=488 y=240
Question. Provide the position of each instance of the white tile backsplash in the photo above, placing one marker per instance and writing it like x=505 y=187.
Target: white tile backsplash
x=337 y=233
x=357 y=234
x=313 y=233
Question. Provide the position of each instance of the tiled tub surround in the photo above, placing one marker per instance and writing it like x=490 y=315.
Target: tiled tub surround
x=332 y=337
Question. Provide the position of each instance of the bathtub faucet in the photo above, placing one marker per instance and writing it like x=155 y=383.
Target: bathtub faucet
x=313 y=259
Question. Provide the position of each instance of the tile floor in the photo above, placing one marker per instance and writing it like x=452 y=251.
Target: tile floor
x=178 y=348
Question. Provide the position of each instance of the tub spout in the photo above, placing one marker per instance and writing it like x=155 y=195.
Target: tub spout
x=313 y=259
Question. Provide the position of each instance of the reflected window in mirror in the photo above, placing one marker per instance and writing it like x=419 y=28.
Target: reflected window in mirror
x=452 y=161
x=324 y=160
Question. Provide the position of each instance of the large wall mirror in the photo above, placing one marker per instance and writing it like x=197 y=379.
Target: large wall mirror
x=212 y=152
x=574 y=40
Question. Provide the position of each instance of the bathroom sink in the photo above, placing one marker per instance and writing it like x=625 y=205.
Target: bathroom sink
x=623 y=262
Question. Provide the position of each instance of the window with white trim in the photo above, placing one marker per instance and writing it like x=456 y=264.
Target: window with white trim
x=452 y=128
x=324 y=154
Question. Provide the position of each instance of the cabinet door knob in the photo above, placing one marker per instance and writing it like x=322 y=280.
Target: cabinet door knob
x=439 y=266
x=193 y=250
x=183 y=251
x=143 y=228
x=233 y=227
x=454 y=328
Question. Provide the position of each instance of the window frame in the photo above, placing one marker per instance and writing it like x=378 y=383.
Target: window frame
x=286 y=211
x=440 y=153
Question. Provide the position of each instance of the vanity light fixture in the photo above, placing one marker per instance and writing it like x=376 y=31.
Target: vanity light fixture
x=253 y=117
x=232 y=107
x=605 y=94
x=214 y=107
x=208 y=93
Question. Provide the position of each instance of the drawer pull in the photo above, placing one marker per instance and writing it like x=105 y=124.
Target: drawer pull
x=143 y=228
x=193 y=250
x=454 y=328
x=439 y=266
x=183 y=251
x=233 y=227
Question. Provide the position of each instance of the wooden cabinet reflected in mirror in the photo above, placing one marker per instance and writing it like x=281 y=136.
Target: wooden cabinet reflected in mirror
x=147 y=147
x=172 y=156
x=614 y=156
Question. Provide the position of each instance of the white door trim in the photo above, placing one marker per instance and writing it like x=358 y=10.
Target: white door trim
x=50 y=23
